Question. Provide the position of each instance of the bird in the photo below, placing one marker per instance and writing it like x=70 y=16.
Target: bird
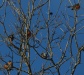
x=11 y=37
x=8 y=66
x=28 y=34
x=75 y=7
x=44 y=55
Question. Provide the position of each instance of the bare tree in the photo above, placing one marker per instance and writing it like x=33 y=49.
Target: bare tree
x=35 y=40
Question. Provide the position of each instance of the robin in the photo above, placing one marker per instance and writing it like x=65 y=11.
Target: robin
x=44 y=55
x=28 y=33
x=75 y=7
x=11 y=38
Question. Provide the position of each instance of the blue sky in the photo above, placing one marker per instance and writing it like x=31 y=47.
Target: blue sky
x=54 y=7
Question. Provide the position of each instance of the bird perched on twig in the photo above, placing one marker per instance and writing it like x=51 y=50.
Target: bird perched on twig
x=28 y=34
x=75 y=7
x=11 y=37
x=44 y=55
x=8 y=66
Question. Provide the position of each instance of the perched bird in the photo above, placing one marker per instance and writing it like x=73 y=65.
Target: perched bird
x=44 y=55
x=28 y=34
x=11 y=38
x=75 y=7
x=10 y=64
x=6 y=66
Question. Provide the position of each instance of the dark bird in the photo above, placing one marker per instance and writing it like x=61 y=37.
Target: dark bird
x=11 y=37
